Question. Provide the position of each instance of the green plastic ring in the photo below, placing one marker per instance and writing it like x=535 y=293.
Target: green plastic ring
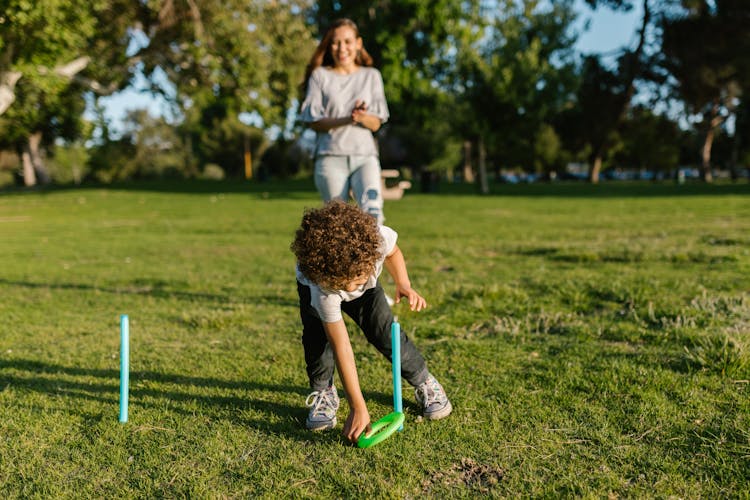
x=381 y=430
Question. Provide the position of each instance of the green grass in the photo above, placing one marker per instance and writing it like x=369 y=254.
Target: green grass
x=594 y=340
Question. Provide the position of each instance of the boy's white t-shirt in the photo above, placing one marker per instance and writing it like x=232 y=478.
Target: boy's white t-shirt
x=327 y=302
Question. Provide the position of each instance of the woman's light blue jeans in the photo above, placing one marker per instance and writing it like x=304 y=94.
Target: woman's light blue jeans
x=336 y=176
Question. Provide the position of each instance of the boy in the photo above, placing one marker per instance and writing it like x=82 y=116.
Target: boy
x=340 y=252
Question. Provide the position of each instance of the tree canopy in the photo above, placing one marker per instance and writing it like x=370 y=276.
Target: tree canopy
x=499 y=81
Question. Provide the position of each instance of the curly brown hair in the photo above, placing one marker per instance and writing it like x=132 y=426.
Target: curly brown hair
x=337 y=244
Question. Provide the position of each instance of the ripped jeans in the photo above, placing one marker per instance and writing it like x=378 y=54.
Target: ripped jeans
x=336 y=175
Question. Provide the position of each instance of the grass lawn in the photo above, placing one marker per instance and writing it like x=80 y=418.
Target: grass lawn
x=594 y=341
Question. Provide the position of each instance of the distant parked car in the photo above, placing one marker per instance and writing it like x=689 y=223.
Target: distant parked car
x=646 y=175
x=509 y=178
x=573 y=176
x=689 y=172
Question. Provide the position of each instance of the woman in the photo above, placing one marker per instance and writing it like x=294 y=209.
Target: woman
x=345 y=104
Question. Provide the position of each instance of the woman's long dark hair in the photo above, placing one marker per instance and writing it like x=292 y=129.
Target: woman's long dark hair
x=322 y=55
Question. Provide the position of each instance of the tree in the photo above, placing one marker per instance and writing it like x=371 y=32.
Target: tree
x=45 y=49
x=516 y=78
x=37 y=60
x=592 y=125
x=230 y=63
x=158 y=149
x=706 y=51
x=246 y=57
x=546 y=150
x=651 y=141
x=39 y=42
x=605 y=96
x=740 y=155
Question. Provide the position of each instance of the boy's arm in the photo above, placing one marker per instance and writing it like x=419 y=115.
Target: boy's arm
x=358 y=420
x=396 y=266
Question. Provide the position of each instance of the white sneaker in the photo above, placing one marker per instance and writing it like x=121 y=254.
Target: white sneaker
x=323 y=406
x=431 y=395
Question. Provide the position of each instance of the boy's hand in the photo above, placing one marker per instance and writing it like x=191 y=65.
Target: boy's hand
x=416 y=301
x=357 y=423
x=396 y=267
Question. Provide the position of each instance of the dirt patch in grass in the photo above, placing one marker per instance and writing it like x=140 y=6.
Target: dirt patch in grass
x=468 y=473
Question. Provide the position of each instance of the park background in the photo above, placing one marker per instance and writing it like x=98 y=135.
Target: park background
x=479 y=91
x=593 y=336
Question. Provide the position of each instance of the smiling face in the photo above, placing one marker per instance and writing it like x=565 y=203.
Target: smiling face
x=345 y=44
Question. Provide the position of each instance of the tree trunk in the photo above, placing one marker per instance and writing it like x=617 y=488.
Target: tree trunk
x=631 y=72
x=706 y=156
x=468 y=172
x=741 y=120
x=735 y=154
x=190 y=164
x=485 y=189
x=34 y=170
x=596 y=169
x=37 y=161
x=714 y=119
x=248 y=159
x=29 y=177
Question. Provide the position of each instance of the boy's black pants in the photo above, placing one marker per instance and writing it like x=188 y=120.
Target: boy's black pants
x=373 y=315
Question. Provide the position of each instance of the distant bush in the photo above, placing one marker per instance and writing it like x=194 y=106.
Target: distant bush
x=9 y=166
x=68 y=164
x=212 y=172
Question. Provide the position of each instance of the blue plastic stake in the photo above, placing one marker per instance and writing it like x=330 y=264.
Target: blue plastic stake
x=124 y=366
x=396 y=364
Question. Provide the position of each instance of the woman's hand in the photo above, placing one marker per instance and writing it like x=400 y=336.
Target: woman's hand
x=361 y=117
x=359 y=112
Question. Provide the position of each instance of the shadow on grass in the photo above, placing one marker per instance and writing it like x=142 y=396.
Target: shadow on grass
x=223 y=399
x=305 y=188
x=158 y=290
x=296 y=188
x=620 y=189
x=217 y=398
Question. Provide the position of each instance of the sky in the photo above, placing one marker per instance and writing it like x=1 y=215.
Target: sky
x=607 y=31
